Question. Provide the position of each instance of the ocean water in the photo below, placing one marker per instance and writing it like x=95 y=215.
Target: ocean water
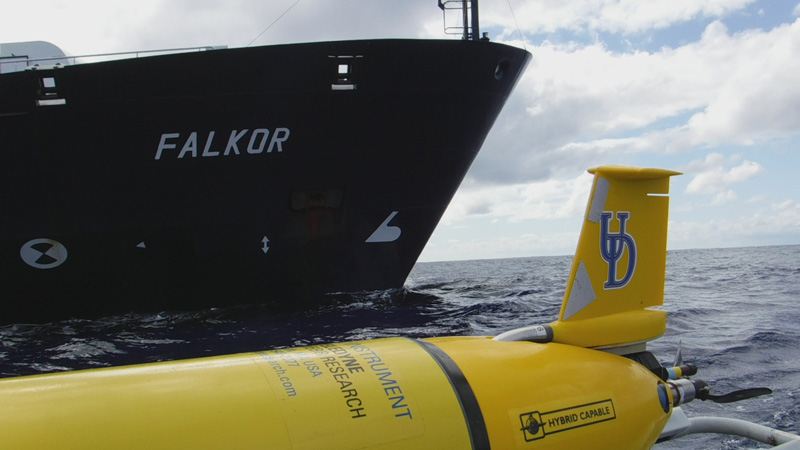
x=735 y=312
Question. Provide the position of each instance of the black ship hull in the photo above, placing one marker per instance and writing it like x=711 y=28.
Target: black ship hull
x=266 y=174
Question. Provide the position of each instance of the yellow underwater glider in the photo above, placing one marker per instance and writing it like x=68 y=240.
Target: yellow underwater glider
x=585 y=380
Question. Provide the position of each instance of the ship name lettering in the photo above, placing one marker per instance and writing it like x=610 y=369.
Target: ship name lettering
x=204 y=145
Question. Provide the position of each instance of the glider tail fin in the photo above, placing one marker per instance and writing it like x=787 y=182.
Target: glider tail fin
x=620 y=264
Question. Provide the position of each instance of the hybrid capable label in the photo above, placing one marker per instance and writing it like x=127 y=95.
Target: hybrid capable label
x=538 y=425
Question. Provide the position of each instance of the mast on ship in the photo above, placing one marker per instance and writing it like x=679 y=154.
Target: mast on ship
x=469 y=27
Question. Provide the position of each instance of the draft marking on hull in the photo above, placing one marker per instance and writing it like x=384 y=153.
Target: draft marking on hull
x=385 y=232
x=43 y=253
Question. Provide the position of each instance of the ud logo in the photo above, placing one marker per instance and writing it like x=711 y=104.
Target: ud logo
x=612 y=249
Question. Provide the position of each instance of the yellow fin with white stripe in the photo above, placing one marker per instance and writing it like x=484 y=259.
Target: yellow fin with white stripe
x=620 y=264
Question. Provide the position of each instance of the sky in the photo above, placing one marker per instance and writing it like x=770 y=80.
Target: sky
x=708 y=88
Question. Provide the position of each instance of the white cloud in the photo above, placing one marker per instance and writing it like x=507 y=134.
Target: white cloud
x=776 y=223
x=724 y=196
x=615 y=16
x=581 y=105
x=95 y=26
x=551 y=199
x=757 y=93
x=757 y=199
x=712 y=178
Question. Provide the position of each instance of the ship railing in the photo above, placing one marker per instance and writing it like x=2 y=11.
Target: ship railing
x=460 y=18
x=21 y=62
